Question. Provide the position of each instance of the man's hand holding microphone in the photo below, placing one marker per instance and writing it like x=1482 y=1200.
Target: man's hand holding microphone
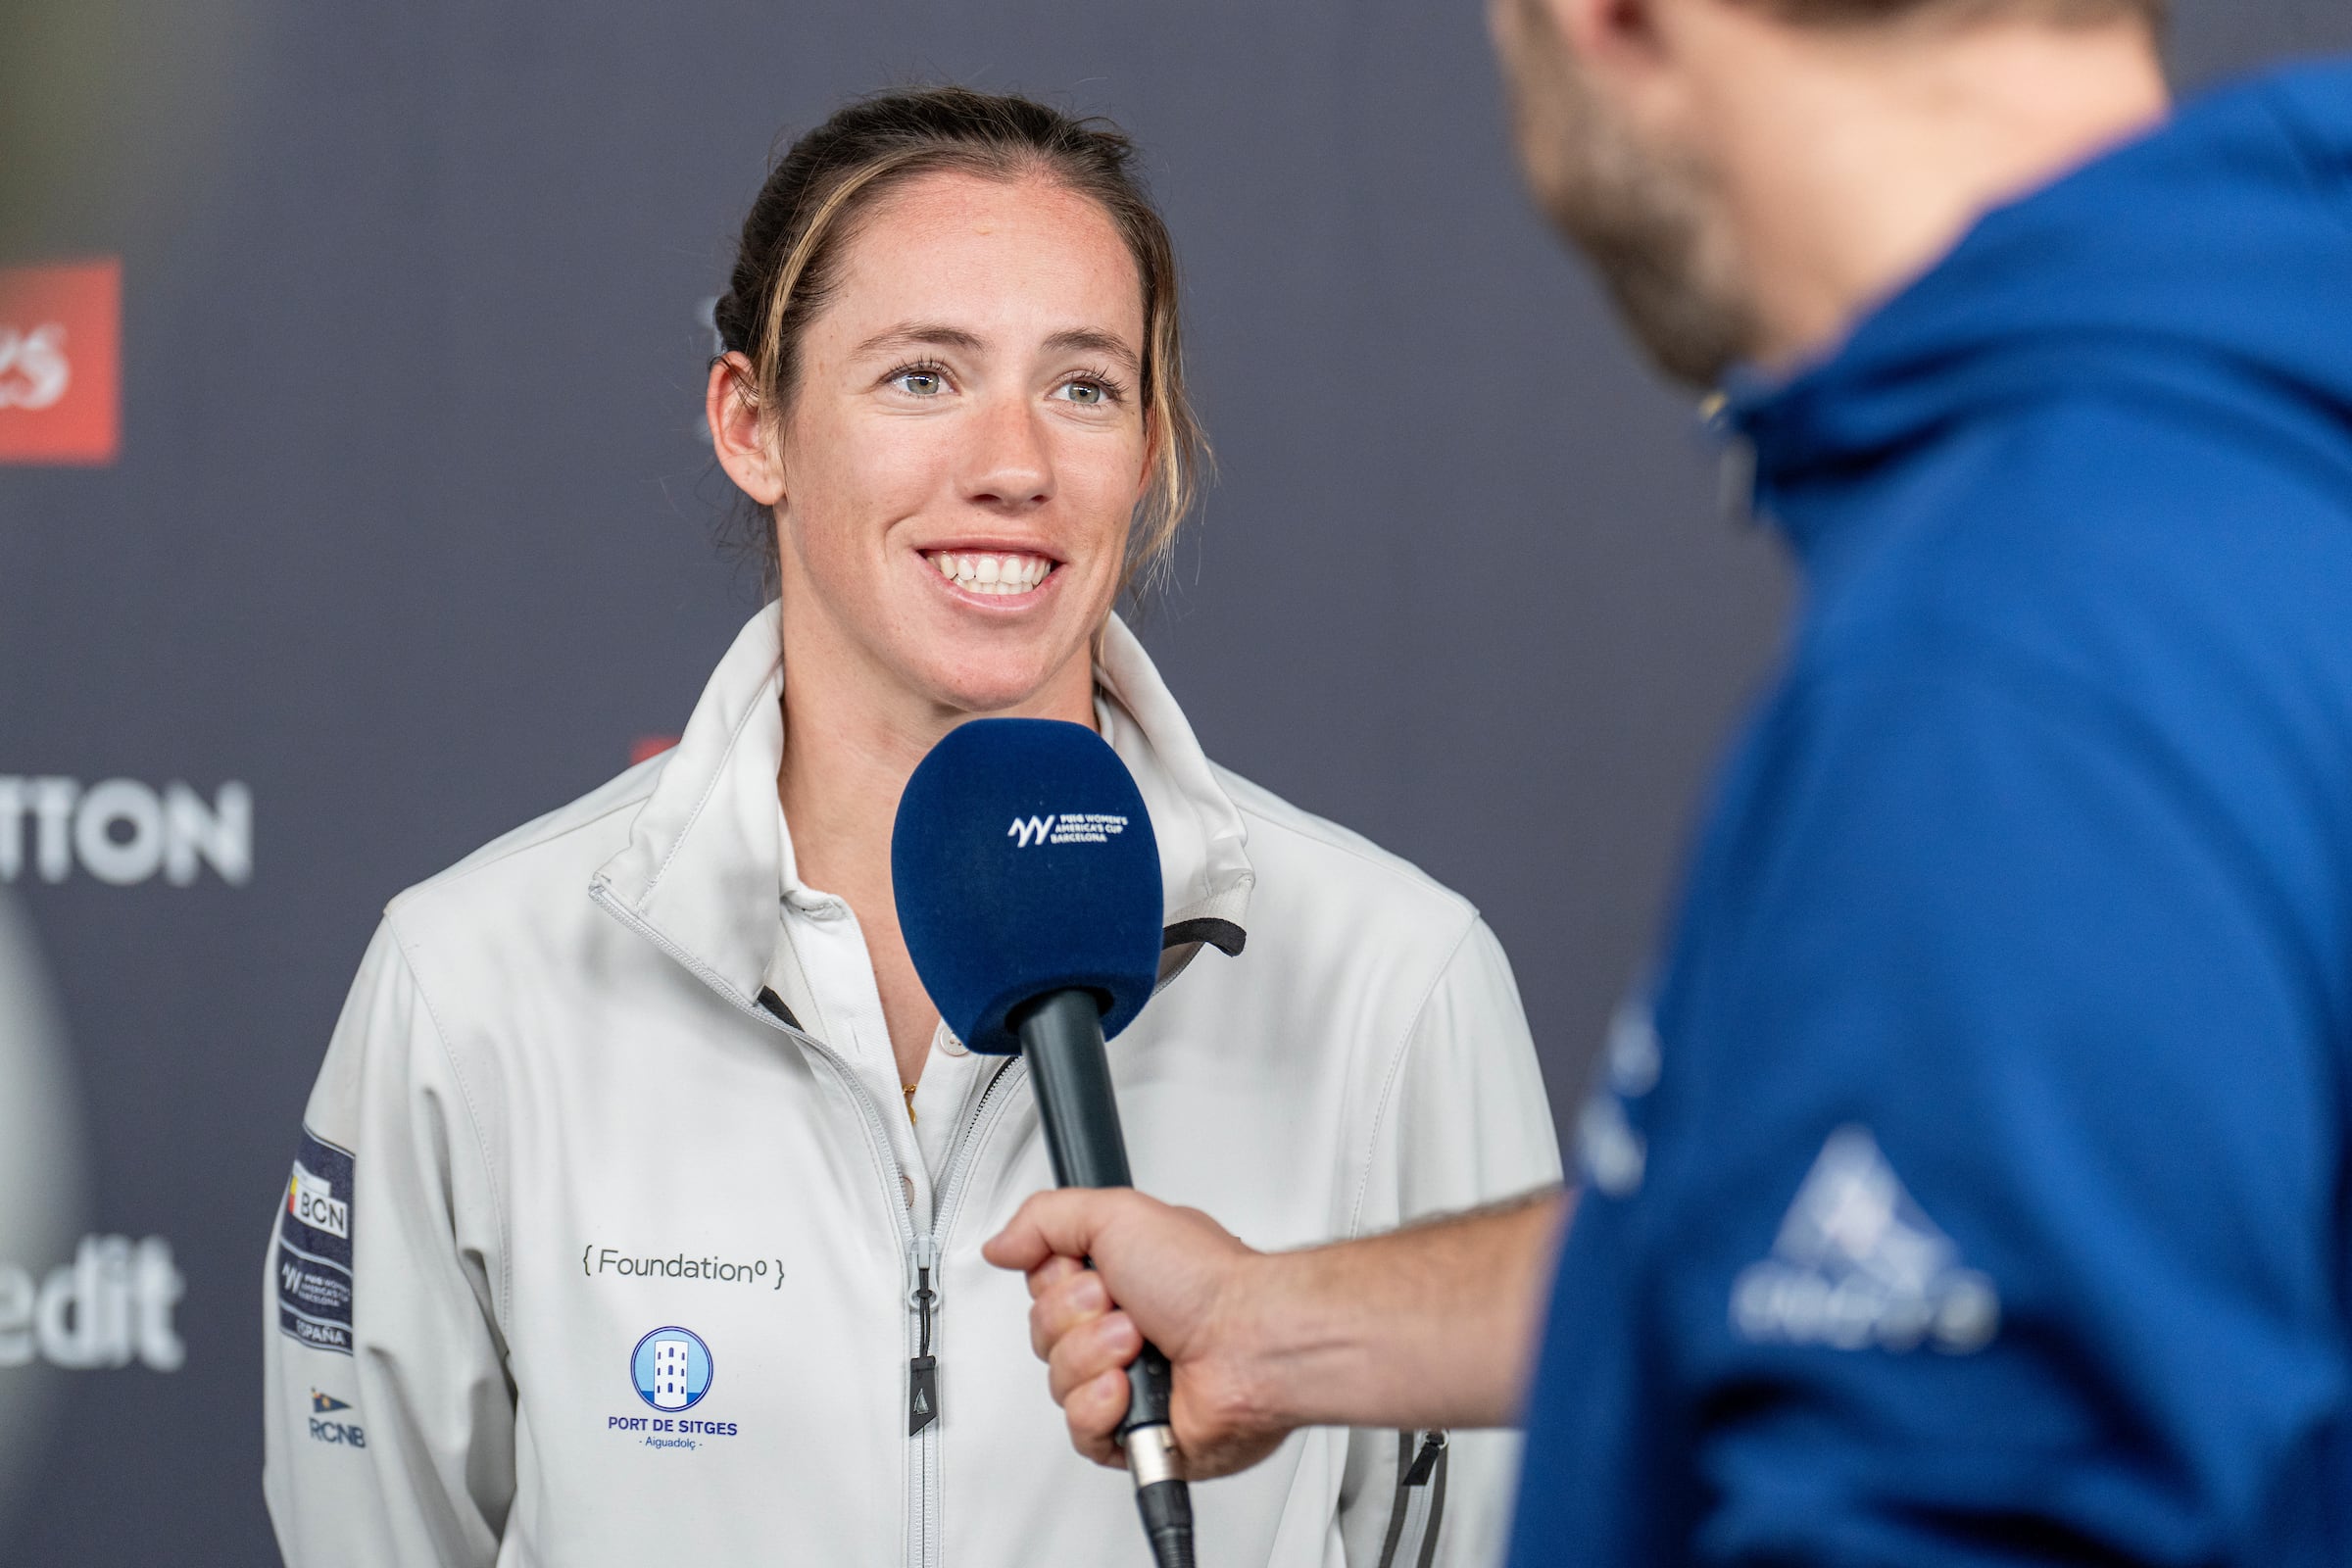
x=1047 y=949
x=1432 y=1326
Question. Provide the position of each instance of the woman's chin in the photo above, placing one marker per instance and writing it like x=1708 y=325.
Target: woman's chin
x=995 y=687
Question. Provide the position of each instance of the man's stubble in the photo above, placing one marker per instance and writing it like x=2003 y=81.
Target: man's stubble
x=1649 y=219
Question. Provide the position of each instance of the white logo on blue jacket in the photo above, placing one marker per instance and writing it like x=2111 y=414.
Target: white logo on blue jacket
x=1613 y=1154
x=1858 y=1265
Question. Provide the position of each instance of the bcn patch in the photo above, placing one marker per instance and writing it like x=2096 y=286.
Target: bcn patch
x=314 y=1248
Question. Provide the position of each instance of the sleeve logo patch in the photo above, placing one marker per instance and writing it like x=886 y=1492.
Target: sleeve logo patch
x=342 y=1434
x=1858 y=1265
x=314 y=1248
x=312 y=1200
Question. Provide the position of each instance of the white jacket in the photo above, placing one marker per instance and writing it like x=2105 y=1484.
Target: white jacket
x=608 y=1217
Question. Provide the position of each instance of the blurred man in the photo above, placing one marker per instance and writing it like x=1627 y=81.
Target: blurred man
x=1979 y=1193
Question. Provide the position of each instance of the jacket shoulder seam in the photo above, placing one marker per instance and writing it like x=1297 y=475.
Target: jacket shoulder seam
x=1395 y=1075
x=472 y=864
x=1392 y=865
x=473 y=1121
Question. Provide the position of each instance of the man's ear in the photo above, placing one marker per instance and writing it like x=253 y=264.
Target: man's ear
x=1634 y=55
x=1608 y=36
x=1620 y=48
x=739 y=436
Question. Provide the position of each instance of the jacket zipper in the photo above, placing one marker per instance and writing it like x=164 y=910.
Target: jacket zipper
x=921 y=1256
x=1419 y=1475
x=922 y=1373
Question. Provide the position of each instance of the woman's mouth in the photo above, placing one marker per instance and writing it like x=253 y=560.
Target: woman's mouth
x=990 y=571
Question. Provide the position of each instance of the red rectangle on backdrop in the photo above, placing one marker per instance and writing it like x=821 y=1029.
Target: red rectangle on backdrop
x=61 y=363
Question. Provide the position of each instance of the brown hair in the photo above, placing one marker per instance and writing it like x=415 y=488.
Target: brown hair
x=790 y=257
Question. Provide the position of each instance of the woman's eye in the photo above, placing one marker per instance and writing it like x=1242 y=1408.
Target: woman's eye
x=919 y=383
x=1087 y=394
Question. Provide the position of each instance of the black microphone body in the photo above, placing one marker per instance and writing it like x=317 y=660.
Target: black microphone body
x=1061 y=1040
x=1044 y=937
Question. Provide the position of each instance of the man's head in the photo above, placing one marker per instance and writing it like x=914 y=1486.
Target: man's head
x=1647 y=129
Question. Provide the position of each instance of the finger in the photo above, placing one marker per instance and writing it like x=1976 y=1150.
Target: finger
x=1106 y=1345
x=1094 y=1411
x=1087 y=1351
x=1052 y=1272
x=1064 y=1221
x=1078 y=1299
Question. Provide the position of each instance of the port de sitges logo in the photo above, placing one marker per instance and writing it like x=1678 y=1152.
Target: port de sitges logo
x=671 y=1370
x=122 y=832
x=1070 y=827
x=672 y=1367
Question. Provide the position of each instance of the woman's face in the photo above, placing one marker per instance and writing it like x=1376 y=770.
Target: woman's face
x=967 y=444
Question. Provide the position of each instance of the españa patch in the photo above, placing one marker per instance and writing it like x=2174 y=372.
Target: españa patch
x=314 y=1248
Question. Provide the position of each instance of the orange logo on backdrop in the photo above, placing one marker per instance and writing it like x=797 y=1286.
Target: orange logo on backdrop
x=60 y=363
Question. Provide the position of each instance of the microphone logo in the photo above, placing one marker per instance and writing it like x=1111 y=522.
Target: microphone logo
x=1031 y=829
x=1067 y=827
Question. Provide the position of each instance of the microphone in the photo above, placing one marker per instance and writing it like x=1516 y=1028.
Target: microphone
x=1028 y=891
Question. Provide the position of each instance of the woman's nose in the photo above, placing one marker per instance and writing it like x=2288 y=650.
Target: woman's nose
x=1007 y=464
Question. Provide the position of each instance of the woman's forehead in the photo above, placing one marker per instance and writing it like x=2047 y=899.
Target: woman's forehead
x=1024 y=255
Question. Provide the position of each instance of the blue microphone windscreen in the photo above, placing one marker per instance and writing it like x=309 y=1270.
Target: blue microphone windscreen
x=1023 y=864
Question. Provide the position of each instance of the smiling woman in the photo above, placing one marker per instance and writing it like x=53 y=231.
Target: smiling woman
x=794 y=239
x=953 y=390
x=955 y=385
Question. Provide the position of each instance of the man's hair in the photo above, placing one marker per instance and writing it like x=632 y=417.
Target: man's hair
x=2064 y=13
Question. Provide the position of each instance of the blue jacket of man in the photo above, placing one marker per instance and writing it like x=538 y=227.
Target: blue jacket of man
x=1979 y=1193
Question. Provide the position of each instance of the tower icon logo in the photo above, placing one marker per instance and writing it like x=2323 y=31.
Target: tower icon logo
x=671 y=1368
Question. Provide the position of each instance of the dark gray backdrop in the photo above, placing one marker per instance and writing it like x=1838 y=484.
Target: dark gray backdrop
x=411 y=530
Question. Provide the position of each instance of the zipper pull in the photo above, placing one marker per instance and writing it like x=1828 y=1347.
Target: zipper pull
x=922 y=1372
x=922 y=1393
x=1432 y=1447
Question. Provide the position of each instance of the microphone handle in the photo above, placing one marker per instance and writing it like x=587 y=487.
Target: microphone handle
x=1062 y=1039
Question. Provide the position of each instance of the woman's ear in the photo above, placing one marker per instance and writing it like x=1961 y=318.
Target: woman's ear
x=738 y=435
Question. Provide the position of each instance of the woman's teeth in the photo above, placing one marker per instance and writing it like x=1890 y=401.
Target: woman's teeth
x=992 y=575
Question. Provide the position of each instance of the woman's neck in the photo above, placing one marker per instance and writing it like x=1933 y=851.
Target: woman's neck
x=852 y=735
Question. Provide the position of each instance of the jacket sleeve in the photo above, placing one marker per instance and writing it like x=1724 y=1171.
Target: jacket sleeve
x=388 y=1420
x=1465 y=1122
x=1997 y=1159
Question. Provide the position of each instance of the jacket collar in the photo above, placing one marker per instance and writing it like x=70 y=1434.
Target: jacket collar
x=709 y=853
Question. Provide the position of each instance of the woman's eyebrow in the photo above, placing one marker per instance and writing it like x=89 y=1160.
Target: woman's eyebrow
x=937 y=334
x=1094 y=342
x=924 y=334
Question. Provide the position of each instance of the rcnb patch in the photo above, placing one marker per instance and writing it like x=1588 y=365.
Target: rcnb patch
x=314 y=1248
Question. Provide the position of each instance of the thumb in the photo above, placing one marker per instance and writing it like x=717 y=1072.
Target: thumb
x=1056 y=1224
